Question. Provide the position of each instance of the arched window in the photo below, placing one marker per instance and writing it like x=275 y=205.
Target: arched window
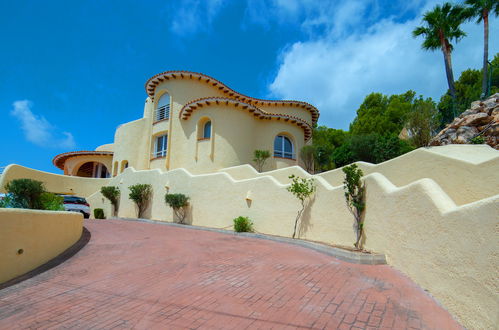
x=163 y=109
x=283 y=147
x=207 y=130
x=124 y=165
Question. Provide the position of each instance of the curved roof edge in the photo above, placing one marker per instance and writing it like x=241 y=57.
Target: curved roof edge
x=155 y=80
x=60 y=159
x=187 y=109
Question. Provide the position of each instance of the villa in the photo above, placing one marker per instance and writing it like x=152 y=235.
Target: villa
x=196 y=122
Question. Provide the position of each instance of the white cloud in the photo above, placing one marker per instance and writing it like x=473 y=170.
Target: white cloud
x=191 y=16
x=337 y=69
x=38 y=130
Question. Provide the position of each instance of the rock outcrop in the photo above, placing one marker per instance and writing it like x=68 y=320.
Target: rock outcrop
x=482 y=119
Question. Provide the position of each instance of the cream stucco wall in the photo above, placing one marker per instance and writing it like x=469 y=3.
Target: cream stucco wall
x=61 y=184
x=131 y=143
x=449 y=250
x=236 y=133
x=30 y=238
x=105 y=147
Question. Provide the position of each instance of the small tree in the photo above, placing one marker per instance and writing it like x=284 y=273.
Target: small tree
x=260 y=157
x=140 y=194
x=178 y=202
x=422 y=121
x=355 y=198
x=302 y=189
x=25 y=193
x=307 y=154
x=112 y=193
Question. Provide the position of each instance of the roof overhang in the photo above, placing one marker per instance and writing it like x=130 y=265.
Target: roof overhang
x=155 y=80
x=60 y=159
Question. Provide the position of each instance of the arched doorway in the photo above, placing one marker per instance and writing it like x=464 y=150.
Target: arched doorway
x=92 y=170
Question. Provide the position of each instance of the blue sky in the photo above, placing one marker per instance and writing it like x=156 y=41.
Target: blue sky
x=72 y=71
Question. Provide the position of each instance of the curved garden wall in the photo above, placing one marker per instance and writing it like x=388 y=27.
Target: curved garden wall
x=30 y=238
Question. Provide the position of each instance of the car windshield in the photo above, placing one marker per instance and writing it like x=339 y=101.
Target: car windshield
x=74 y=199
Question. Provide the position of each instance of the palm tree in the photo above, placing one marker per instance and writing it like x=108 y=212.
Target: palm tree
x=441 y=26
x=480 y=9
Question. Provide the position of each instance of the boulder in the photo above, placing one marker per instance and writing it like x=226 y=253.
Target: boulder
x=482 y=117
x=476 y=119
x=492 y=131
x=476 y=105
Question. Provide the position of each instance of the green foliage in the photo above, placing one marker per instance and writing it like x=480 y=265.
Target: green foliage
x=99 y=214
x=178 y=202
x=355 y=198
x=372 y=148
x=6 y=201
x=302 y=189
x=325 y=140
x=112 y=193
x=423 y=121
x=381 y=114
x=468 y=89
x=141 y=195
x=52 y=202
x=442 y=22
x=477 y=140
x=389 y=147
x=260 y=157
x=243 y=224
x=307 y=154
x=25 y=193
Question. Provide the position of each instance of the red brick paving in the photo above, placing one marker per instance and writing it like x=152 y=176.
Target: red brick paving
x=148 y=276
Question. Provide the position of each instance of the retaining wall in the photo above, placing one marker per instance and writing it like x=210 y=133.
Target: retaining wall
x=30 y=238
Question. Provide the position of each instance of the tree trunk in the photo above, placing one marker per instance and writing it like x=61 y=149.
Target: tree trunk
x=485 y=51
x=359 y=231
x=448 y=72
x=446 y=50
x=298 y=216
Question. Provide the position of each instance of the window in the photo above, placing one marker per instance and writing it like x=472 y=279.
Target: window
x=207 y=130
x=163 y=109
x=124 y=165
x=160 y=146
x=283 y=147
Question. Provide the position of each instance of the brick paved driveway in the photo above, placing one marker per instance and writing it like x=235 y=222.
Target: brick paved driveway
x=145 y=276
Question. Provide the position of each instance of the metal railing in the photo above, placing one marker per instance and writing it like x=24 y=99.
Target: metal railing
x=163 y=112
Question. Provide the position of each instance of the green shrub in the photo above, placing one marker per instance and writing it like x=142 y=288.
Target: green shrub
x=25 y=193
x=477 y=140
x=355 y=191
x=243 y=224
x=302 y=189
x=178 y=202
x=260 y=157
x=6 y=201
x=99 y=214
x=112 y=193
x=140 y=194
x=51 y=202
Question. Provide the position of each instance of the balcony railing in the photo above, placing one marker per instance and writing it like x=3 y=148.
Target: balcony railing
x=162 y=113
